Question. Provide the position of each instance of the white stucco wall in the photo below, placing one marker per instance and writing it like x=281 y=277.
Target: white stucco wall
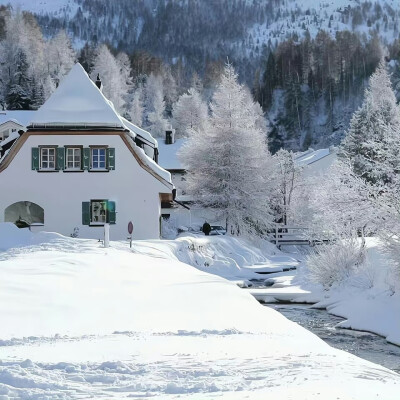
x=135 y=191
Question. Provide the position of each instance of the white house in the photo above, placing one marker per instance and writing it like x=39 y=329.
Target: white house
x=80 y=165
x=13 y=121
x=11 y=124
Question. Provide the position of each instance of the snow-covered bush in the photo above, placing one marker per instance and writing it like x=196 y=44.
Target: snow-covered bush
x=169 y=228
x=334 y=263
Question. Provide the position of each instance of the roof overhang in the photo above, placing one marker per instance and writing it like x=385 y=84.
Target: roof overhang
x=95 y=132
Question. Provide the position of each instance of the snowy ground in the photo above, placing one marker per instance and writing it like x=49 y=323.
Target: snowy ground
x=79 y=321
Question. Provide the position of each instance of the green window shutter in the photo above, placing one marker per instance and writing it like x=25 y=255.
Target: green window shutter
x=86 y=158
x=111 y=158
x=35 y=158
x=111 y=212
x=60 y=165
x=86 y=213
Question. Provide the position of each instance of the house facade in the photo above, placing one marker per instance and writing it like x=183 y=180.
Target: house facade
x=80 y=165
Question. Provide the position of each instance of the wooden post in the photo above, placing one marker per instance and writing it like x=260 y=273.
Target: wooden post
x=106 y=235
x=276 y=234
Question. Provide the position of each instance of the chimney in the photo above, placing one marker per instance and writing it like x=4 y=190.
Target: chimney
x=170 y=136
x=98 y=83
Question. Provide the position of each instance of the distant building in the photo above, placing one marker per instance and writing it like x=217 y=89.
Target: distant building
x=11 y=124
x=80 y=165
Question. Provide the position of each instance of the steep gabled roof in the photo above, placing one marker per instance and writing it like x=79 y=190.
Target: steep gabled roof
x=77 y=103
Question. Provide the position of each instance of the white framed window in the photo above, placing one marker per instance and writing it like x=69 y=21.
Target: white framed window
x=98 y=212
x=99 y=160
x=73 y=158
x=47 y=158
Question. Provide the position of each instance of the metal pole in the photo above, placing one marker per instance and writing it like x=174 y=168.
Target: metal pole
x=106 y=235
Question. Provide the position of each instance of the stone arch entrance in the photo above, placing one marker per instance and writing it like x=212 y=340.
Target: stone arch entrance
x=24 y=214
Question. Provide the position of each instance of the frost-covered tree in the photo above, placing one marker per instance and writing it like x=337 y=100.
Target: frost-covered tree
x=372 y=142
x=125 y=70
x=115 y=87
x=136 y=111
x=154 y=105
x=18 y=93
x=285 y=181
x=344 y=203
x=228 y=160
x=60 y=56
x=189 y=113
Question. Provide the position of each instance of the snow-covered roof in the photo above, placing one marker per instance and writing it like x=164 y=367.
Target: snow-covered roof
x=77 y=102
x=310 y=156
x=13 y=136
x=168 y=154
x=139 y=132
x=21 y=117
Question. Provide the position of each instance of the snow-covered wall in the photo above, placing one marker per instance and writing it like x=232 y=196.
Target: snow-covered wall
x=135 y=191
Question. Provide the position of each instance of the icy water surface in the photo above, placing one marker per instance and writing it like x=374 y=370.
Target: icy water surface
x=365 y=345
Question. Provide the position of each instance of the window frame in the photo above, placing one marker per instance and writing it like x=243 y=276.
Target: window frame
x=98 y=223
x=47 y=147
x=98 y=169
x=73 y=147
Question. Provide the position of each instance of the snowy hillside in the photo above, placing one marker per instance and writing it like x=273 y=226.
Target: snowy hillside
x=306 y=62
x=295 y=18
x=57 y=8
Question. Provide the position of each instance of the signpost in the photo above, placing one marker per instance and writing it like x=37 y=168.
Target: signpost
x=130 y=231
x=106 y=235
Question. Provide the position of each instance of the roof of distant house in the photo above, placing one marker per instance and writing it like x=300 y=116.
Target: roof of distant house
x=21 y=117
x=310 y=156
x=168 y=157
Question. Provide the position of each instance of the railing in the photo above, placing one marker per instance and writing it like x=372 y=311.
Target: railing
x=293 y=235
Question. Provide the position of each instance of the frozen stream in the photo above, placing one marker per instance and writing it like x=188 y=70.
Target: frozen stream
x=365 y=345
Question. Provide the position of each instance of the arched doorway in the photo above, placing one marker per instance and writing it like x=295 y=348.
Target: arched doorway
x=24 y=214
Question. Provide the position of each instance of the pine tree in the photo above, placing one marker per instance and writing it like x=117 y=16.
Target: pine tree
x=228 y=160
x=374 y=134
x=18 y=96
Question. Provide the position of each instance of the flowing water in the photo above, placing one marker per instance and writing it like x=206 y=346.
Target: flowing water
x=363 y=344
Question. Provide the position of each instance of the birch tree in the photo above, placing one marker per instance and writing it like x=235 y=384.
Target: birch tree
x=115 y=87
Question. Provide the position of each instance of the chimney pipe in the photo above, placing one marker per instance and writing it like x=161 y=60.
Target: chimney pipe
x=98 y=83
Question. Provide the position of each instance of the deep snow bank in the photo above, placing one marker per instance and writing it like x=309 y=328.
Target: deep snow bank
x=147 y=326
x=13 y=237
x=76 y=287
x=229 y=257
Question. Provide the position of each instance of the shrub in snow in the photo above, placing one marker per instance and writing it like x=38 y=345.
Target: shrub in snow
x=334 y=263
